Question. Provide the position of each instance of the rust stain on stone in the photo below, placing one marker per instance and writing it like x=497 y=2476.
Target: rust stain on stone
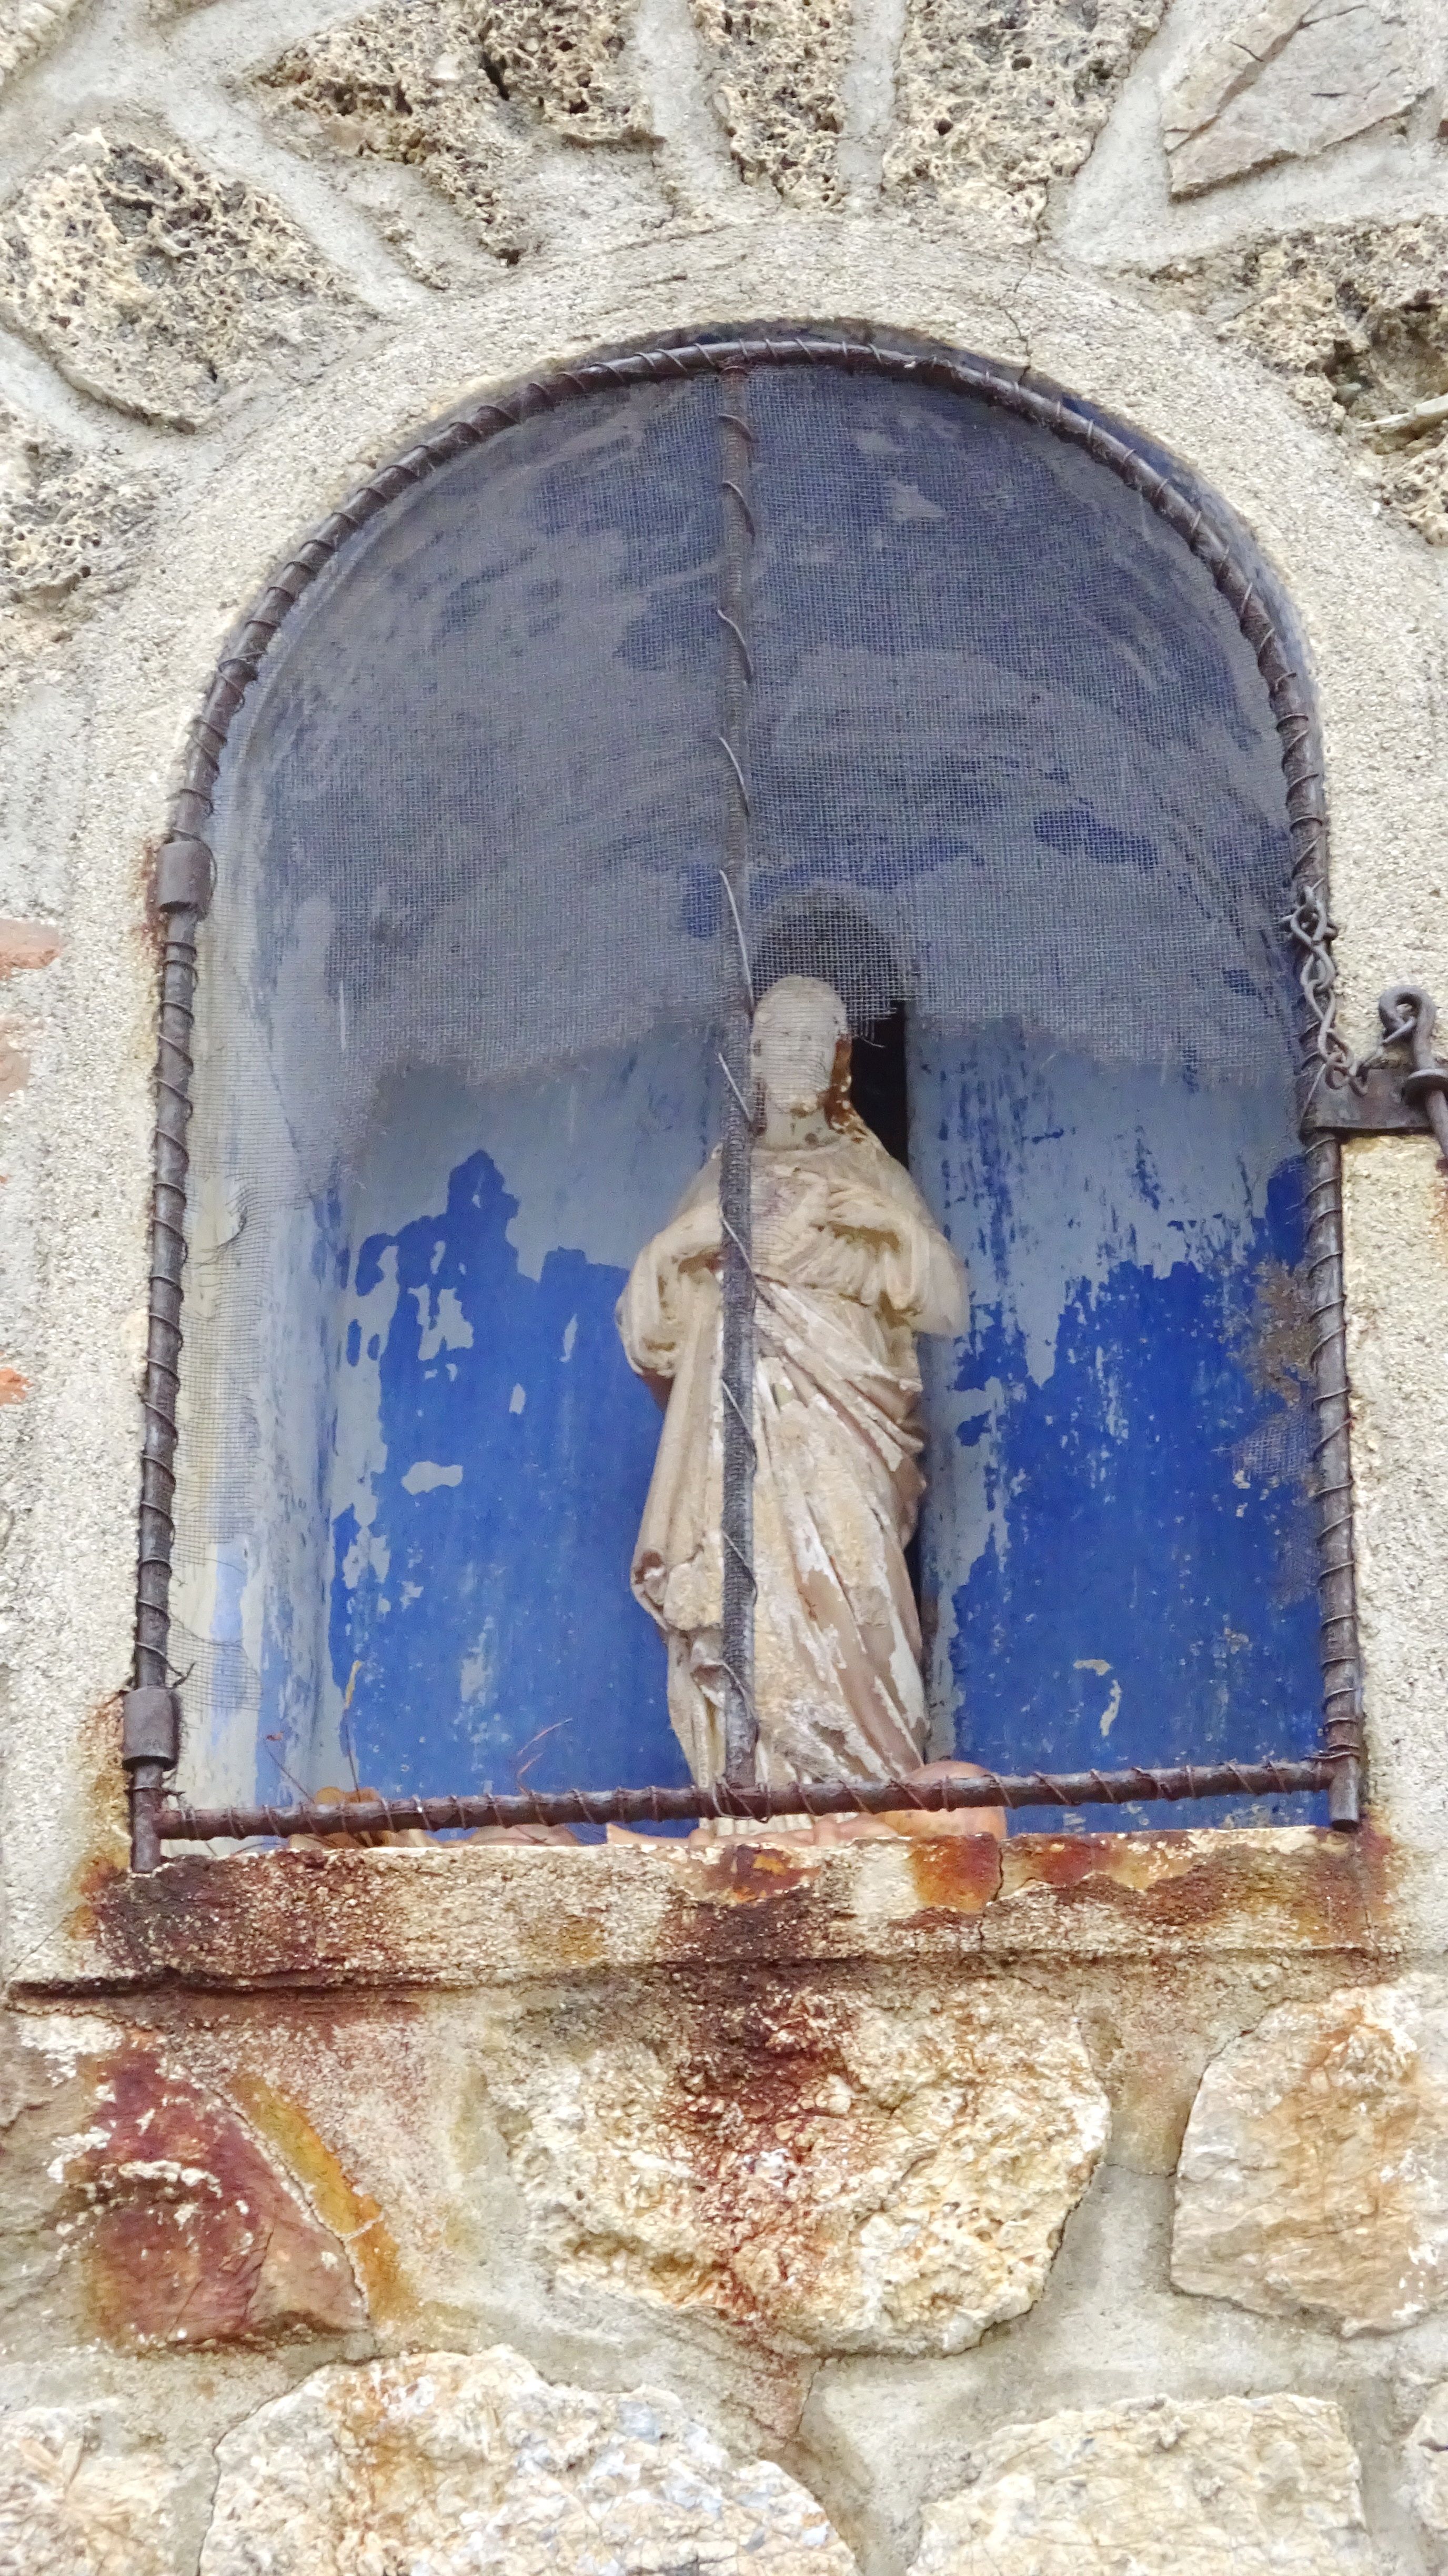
x=1328 y=1891
x=26 y=943
x=351 y=2214
x=13 y=1387
x=956 y=1873
x=190 y=2235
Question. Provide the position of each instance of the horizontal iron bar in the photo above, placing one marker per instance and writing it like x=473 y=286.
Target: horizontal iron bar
x=182 y=1824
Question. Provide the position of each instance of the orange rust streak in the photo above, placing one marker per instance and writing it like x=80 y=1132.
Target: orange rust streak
x=13 y=1387
x=956 y=1873
x=351 y=2214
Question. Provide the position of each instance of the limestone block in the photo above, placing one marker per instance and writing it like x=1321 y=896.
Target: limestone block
x=452 y=87
x=1425 y=2457
x=1355 y=317
x=454 y=2462
x=1242 y=2486
x=778 y=89
x=996 y=98
x=68 y=521
x=188 y=2233
x=159 y=284
x=27 y=27
x=1279 y=80
x=76 y=2500
x=837 y=2174
x=1314 y=2171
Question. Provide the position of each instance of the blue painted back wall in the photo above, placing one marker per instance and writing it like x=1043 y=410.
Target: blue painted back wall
x=1013 y=764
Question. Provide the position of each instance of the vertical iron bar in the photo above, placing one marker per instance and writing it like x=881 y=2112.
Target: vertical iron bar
x=1342 y=1713
x=737 y=1151
x=162 y=1381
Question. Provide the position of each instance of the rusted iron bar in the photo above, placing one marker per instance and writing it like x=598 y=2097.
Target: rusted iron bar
x=178 y=1823
x=182 y=894
x=736 y=1158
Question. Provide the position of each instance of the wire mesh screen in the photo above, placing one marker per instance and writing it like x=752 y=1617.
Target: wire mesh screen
x=1015 y=791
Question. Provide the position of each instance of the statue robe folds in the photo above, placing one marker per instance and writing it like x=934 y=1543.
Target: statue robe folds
x=850 y=1267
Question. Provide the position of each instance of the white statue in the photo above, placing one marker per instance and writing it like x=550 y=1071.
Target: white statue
x=850 y=1268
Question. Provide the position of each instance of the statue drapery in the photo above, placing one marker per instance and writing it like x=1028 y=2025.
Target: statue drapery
x=849 y=1267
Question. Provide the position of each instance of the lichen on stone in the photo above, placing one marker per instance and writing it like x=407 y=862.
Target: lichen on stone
x=455 y=2462
x=157 y=283
x=1239 y=2486
x=1355 y=318
x=778 y=69
x=995 y=99
x=454 y=89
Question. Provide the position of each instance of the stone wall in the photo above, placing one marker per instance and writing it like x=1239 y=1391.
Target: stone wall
x=929 y=2208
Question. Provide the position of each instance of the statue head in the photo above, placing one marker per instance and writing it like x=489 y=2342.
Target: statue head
x=801 y=1050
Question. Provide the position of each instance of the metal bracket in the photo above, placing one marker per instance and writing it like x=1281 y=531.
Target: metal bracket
x=185 y=876
x=151 y=1727
x=1376 y=1098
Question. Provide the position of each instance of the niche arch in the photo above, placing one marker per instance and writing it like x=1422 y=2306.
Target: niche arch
x=1164 y=492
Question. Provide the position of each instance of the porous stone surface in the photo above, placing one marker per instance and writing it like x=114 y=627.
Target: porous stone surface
x=452 y=87
x=841 y=2174
x=1314 y=2171
x=77 y=2498
x=778 y=72
x=1279 y=80
x=157 y=283
x=1425 y=2459
x=1261 y=2486
x=69 y=530
x=27 y=27
x=993 y=102
x=1355 y=317
x=455 y=2462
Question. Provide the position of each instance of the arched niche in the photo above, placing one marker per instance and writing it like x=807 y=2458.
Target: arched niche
x=1018 y=787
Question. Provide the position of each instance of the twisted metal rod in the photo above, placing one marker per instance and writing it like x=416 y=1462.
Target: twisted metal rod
x=755 y=1802
x=736 y=1159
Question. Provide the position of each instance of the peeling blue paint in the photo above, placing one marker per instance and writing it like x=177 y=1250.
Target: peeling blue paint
x=501 y=1643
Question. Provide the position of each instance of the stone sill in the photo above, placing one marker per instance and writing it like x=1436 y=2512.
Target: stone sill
x=474 y=1914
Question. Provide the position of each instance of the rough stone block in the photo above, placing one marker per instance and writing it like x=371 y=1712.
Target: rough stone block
x=1314 y=2171
x=996 y=98
x=1355 y=317
x=1425 y=2458
x=189 y=2234
x=135 y=2202
x=830 y=2172
x=158 y=284
x=1279 y=80
x=452 y=87
x=78 y=2499
x=27 y=27
x=778 y=89
x=1244 y=2486
x=68 y=523
x=453 y=2462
